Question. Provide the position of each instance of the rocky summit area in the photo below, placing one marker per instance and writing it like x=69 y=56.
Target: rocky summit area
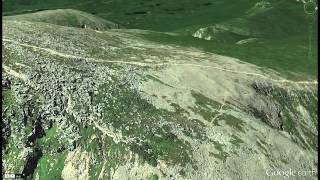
x=87 y=94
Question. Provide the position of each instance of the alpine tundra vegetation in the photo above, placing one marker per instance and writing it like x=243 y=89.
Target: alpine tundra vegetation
x=123 y=89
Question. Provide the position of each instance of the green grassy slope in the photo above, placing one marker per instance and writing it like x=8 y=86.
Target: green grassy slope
x=288 y=56
x=284 y=38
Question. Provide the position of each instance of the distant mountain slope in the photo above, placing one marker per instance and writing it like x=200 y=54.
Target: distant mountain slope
x=273 y=34
x=263 y=20
x=84 y=104
x=66 y=17
x=159 y=15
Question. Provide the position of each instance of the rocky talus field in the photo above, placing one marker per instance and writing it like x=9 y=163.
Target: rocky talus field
x=88 y=96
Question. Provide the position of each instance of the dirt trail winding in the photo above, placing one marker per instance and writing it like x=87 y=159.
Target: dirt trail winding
x=151 y=64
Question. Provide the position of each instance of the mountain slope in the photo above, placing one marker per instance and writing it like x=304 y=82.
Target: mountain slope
x=82 y=103
x=159 y=15
x=253 y=31
x=263 y=20
x=65 y=17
